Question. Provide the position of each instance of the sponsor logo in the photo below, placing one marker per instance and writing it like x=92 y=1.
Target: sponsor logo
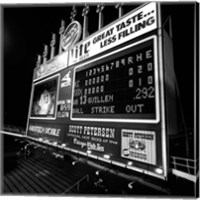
x=137 y=145
x=71 y=35
x=66 y=80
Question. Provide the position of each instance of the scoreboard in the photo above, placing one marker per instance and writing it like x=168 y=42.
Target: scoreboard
x=107 y=102
x=124 y=87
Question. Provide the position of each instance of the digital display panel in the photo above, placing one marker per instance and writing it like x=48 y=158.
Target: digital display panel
x=123 y=87
x=44 y=99
x=139 y=145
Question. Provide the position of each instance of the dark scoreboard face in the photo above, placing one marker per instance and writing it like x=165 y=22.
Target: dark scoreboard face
x=120 y=86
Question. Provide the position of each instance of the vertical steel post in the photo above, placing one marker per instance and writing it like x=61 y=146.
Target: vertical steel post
x=120 y=9
x=52 y=44
x=61 y=31
x=85 y=21
x=73 y=13
x=99 y=10
x=38 y=60
x=45 y=53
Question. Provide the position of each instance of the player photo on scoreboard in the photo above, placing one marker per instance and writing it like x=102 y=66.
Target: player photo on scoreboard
x=44 y=99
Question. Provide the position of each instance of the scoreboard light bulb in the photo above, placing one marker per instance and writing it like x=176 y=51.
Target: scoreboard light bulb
x=97 y=172
x=130 y=163
x=158 y=170
x=89 y=151
x=106 y=156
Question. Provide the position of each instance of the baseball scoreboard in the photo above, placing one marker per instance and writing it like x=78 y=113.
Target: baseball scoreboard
x=122 y=87
x=104 y=97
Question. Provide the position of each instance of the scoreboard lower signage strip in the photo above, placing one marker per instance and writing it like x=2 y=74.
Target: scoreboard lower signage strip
x=111 y=161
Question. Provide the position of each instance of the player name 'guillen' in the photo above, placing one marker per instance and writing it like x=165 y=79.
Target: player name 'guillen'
x=100 y=99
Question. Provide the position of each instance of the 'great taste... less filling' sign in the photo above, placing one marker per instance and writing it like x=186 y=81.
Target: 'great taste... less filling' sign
x=133 y=25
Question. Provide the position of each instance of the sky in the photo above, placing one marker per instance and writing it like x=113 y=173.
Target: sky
x=26 y=28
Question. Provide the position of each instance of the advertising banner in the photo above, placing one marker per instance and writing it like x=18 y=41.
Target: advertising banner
x=57 y=63
x=137 y=23
x=98 y=139
x=65 y=92
x=139 y=145
x=50 y=133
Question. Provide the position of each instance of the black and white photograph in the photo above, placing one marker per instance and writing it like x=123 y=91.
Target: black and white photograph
x=100 y=99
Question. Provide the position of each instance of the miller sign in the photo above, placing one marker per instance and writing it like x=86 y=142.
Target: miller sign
x=130 y=26
x=71 y=35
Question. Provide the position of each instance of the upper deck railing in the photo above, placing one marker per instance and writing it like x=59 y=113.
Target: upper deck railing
x=185 y=167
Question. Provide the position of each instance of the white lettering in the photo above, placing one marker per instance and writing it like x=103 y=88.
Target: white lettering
x=45 y=130
x=134 y=108
x=103 y=110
